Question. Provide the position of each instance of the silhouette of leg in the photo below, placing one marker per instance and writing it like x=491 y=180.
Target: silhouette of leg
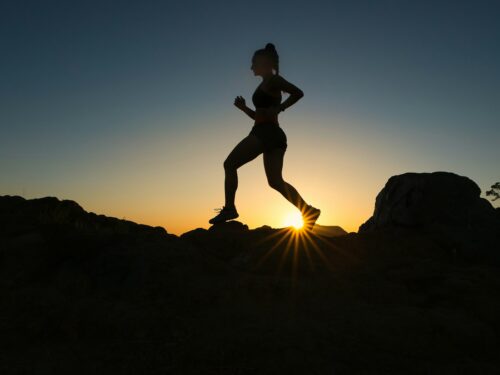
x=273 y=164
x=246 y=150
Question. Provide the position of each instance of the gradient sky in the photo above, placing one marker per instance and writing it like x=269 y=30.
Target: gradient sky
x=127 y=107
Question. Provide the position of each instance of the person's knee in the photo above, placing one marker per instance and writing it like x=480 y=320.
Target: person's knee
x=276 y=183
x=229 y=165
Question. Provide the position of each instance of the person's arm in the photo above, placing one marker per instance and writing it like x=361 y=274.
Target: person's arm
x=250 y=112
x=239 y=102
x=295 y=93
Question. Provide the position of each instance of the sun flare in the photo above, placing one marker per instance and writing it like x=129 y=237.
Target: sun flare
x=293 y=219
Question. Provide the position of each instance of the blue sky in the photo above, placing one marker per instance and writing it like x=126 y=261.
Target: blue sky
x=128 y=106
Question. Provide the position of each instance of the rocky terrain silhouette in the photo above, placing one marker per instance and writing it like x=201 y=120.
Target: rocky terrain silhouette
x=415 y=291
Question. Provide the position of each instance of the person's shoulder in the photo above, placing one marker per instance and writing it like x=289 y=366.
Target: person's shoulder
x=277 y=78
x=276 y=82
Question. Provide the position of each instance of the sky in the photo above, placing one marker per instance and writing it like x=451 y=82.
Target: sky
x=127 y=107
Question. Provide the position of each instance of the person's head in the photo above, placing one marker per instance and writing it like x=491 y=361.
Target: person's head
x=264 y=60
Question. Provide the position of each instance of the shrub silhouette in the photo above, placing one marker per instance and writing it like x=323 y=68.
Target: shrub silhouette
x=494 y=191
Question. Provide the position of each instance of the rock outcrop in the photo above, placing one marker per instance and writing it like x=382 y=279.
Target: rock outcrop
x=442 y=204
x=19 y=215
x=85 y=293
x=328 y=230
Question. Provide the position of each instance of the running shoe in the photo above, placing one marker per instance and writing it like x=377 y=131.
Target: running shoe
x=309 y=216
x=224 y=215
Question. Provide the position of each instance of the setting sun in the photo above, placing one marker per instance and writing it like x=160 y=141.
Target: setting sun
x=294 y=219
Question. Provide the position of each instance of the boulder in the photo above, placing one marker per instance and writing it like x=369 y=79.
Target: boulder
x=443 y=204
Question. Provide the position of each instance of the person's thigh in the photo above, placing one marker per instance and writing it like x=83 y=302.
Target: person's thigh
x=273 y=164
x=246 y=150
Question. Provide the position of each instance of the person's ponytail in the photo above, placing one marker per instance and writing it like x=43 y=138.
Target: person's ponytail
x=271 y=51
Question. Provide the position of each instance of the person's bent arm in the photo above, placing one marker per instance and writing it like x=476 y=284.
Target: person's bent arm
x=295 y=93
x=292 y=99
x=250 y=112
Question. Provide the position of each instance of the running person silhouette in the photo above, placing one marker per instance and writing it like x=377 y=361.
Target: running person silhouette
x=266 y=137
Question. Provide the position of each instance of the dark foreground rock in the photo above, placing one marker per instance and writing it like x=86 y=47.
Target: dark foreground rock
x=444 y=205
x=104 y=296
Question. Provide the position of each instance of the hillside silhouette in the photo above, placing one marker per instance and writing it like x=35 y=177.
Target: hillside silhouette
x=415 y=291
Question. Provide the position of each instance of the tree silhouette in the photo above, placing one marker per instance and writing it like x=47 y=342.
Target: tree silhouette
x=494 y=191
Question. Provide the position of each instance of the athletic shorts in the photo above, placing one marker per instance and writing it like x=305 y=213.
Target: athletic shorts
x=271 y=135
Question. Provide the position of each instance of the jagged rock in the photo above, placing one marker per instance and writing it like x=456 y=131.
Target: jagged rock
x=423 y=199
x=264 y=228
x=19 y=215
x=328 y=230
x=231 y=226
x=443 y=204
x=231 y=300
x=193 y=233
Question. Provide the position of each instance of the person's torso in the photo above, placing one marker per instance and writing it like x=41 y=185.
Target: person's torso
x=262 y=99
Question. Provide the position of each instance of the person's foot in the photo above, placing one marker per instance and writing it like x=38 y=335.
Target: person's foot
x=309 y=216
x=225 y=213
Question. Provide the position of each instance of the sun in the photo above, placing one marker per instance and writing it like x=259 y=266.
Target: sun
x=293 y=219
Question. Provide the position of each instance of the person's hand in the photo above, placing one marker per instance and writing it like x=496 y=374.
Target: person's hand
x=239 y=102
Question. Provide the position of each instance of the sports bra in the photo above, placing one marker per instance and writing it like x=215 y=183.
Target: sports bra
x=260 y=99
